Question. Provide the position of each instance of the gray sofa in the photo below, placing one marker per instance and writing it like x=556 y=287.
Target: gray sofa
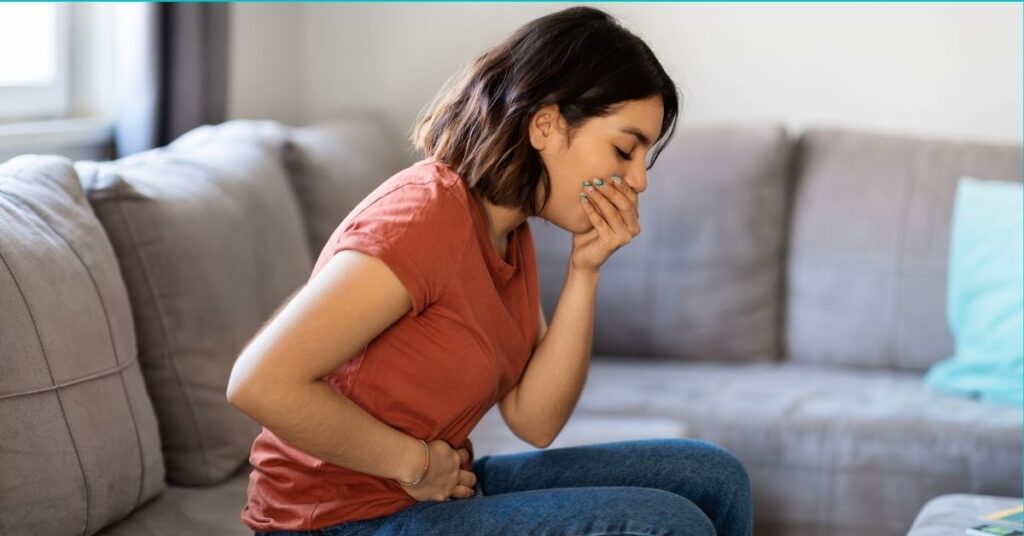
x=783 y=301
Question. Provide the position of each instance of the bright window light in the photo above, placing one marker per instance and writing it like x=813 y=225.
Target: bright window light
x=28 y=53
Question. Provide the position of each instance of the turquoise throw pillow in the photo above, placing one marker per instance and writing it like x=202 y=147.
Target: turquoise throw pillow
x=984 y=299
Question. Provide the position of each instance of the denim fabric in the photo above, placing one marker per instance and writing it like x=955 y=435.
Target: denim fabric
x=663 y=486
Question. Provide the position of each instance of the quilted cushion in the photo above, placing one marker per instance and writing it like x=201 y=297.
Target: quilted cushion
x=80 y=446
x=869 y=246
x=211 y=243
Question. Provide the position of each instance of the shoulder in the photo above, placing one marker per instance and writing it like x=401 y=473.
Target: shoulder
x=419 y=223
x=426 y=193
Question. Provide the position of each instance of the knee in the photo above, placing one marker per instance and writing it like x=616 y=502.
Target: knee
x=732 y=467
x=728 y=469
x=656 y=511
x=717 y=463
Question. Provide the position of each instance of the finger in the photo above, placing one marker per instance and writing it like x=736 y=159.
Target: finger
x=627 y=208
x=462 y=492
x=630 y=193
x=611 y=213
x=626 y=189
x=615 y=195
x=606 y=235
x=463 y=456
x=467 y=478
x=595 y=218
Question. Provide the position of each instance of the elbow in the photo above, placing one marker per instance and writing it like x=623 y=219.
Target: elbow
x=543 y=442
x=242 y=382
x=239 y=389
x=235 y=395
x=241 y=397
x=531 y=434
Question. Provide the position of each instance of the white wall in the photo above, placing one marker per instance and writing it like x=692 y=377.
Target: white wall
x=947 y=70
x=265 y=62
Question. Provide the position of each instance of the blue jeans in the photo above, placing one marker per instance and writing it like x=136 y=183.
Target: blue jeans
x=664 y=486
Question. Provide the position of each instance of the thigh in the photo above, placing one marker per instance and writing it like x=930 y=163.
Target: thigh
x=579 y=511
x=707 y=475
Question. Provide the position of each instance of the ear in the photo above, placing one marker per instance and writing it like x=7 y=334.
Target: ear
x=542 y=126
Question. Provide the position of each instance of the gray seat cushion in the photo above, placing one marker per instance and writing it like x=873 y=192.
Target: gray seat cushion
x=827 y=448
x=181 y=511
x=870 y=242
x=210 y=240
x=80 y=446
x=703 y=279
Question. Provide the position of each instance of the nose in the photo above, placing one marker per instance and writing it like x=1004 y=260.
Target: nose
x=637 y=178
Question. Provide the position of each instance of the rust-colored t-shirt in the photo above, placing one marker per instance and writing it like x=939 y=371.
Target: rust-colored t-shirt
x=433 y=373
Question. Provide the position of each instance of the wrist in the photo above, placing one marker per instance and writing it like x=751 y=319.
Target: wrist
x=583 y=274
x=413 y=459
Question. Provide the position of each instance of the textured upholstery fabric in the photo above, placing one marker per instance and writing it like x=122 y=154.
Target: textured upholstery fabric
x=703 y=278
x=80 y=446
x=830 y=450
x=866 y=280
x=210 y=241
x=334 y=165
x=186 y=511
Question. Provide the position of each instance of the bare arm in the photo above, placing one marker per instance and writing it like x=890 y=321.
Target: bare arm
x=537 y=409
x=278 y=378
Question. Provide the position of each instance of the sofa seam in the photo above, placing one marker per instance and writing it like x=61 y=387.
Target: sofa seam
x=898 y=266
x=83 y=379
x=119 y=367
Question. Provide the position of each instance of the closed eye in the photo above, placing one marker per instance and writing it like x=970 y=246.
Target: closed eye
x=622 y=154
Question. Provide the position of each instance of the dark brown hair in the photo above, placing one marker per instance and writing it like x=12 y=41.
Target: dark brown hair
x=580 y=58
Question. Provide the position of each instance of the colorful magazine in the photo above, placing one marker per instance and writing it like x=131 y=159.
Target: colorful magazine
x=1012 y=517
x=986 y=529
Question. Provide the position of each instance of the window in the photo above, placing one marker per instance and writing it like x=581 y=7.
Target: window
x=34 y=61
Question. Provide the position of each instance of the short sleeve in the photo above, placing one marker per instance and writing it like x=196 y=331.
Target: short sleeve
x=420 y=230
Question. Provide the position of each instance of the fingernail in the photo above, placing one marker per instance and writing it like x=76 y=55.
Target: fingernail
x=617 y=179
x=583 y=196
x=586 y=183
x=588 y=186
x=598 y=182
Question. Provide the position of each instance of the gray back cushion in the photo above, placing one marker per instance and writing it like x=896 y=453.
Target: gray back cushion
x=702 y=280
x=866 y=278
x=211 y=242
x=80 y=446
x=333 y=165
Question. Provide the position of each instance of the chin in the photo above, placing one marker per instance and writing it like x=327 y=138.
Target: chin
x=584 y=227
x=577 y=225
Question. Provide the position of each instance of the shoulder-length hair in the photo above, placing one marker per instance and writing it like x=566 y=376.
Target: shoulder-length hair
x=579 y=58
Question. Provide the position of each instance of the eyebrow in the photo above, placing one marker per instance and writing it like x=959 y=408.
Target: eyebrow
x=639 y=135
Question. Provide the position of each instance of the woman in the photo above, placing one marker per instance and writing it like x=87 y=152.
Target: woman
x=422 y=313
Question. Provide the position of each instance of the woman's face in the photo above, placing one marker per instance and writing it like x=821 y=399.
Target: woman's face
x=594 y=153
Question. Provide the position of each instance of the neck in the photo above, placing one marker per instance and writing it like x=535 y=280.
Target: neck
x=501 y=221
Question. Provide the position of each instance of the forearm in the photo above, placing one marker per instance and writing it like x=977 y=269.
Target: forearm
x=324 y=423
x=557 y=370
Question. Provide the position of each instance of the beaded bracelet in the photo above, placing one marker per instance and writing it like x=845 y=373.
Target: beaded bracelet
x=417 y=481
